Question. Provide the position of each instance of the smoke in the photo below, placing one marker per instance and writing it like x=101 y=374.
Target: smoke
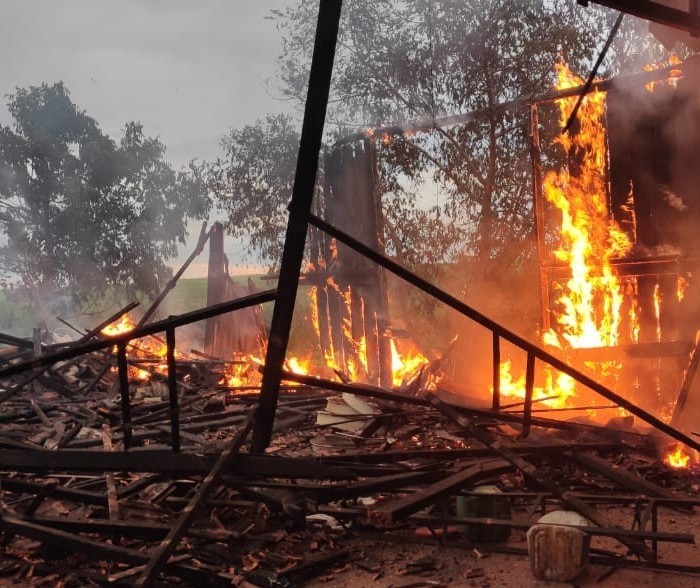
x=674 y=201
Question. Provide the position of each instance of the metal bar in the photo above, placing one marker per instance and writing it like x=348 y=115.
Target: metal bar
x=299 y=210
x=428 y=124
x=654 y=529
x=496 y=367
x=172 y=390
x=507 y=334
x=688 y=378
x=157 y=327
x=529 y=387
x=654 y=11
x=123 y=368
x=594 y=72
x=374 y=392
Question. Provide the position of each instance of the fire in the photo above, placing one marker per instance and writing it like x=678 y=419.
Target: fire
x=589 y=305
x=555 y=393
x=406 y=360
x=674 y=74
x=681 y=285
x=590 y=302
x=677 y=458
x=119 y=327
x=405 y=365
x=150 y=347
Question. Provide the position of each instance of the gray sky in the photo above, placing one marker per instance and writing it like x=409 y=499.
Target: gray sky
x=188 y=70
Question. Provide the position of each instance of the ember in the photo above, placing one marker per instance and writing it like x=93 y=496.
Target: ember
x=677 y=458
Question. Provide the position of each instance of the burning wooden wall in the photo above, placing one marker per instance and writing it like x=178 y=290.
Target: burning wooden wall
x=351 y=298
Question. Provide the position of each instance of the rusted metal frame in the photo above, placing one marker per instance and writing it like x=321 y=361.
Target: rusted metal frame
x=503 y=332
x=615 y=532
x=496 y=369
x=529 y=388
x=123 y=372
x=299 y=211
x=531 y=472
x=688 y=378
x=160 y=556
x=153 y=328
x=203 y=238
x=654 y=11
x=172 y=390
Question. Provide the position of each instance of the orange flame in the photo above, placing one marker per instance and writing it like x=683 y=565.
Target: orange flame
x=555 y=393
x=591 y=300
x=674 y=74
x=677 y=458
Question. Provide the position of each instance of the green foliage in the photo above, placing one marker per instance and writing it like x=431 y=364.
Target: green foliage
x=253 y=182
x=82 y=212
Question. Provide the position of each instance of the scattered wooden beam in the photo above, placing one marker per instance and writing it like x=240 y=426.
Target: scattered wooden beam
x=388 y=512
x=166 y=548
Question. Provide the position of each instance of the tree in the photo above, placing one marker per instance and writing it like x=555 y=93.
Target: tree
x=253 y=182
x=400 y=61
x=81 y=212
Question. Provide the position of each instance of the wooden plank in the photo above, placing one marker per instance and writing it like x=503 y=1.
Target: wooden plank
x=624 y=478
x=534 y=474
x=389 y=512
x=112 y=498
x=170 y=543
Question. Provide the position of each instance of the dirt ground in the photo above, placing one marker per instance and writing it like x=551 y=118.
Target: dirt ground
x=386 y=565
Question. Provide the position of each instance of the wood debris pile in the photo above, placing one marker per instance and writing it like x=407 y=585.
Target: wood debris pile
x=79 y=510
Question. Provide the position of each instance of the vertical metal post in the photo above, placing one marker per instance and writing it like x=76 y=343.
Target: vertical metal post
x=299 y=210
x=124 y=393
x=538 y=208
x=654 y=529
x=529 y=386
x=172 y=391
x=496 y=405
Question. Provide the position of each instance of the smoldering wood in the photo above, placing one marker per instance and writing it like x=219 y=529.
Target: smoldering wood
x=193 y=508
x=234 y=333
x=153 y=328
x=505 y=333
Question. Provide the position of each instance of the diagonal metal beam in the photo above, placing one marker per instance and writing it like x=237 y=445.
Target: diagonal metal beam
x=299 y=210
x=654 y=11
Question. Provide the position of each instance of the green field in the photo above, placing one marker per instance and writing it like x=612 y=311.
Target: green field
x=189 y=294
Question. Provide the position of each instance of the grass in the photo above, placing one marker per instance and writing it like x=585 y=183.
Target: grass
x=188 y=295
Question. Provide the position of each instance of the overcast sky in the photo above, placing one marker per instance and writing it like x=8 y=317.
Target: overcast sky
x=189 y=70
